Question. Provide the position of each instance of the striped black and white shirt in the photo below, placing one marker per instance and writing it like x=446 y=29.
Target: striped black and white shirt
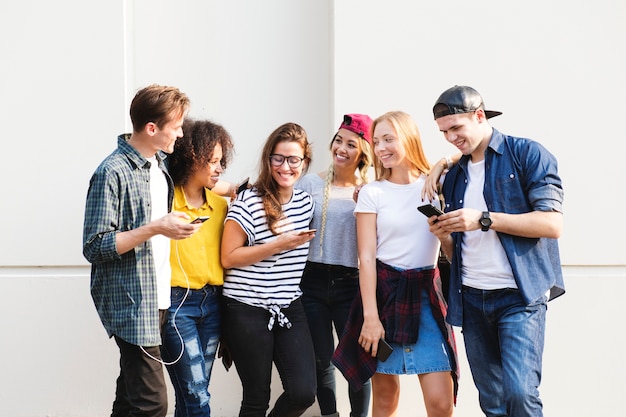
x=274 y=282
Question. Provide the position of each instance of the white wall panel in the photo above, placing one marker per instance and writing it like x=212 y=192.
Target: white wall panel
x=69 y=69
x=556 y=70
x=62 y=101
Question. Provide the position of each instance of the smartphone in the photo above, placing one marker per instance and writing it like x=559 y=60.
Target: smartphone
x=242 y=185
x=200 y=219
x=429 y=210
x=301 y=232
x=384 y=350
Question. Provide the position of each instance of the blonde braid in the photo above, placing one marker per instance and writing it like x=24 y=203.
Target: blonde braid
x=330 y=176
x=366 y=161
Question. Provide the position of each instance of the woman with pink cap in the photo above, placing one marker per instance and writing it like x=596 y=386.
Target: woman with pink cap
x=331 y=276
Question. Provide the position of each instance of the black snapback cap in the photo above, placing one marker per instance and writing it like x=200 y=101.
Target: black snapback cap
x=458 y=100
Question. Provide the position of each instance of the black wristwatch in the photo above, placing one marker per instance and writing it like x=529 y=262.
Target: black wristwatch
x=485 y=221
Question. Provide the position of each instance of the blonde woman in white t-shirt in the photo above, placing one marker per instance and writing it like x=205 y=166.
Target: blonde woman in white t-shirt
x=401 y=298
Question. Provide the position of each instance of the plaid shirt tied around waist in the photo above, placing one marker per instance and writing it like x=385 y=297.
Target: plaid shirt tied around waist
x=398 y=295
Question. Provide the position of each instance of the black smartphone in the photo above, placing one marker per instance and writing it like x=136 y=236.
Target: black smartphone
x=384 y=350
x=242 y=185
x=429 y=210
x=200 y=219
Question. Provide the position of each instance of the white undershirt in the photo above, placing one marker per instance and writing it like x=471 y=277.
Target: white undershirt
x=485 y=264
x=160 y=243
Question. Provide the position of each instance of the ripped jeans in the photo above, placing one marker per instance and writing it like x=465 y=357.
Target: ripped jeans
x=198 y=321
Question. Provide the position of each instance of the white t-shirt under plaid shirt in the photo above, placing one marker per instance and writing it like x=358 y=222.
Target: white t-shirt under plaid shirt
x=273 y=282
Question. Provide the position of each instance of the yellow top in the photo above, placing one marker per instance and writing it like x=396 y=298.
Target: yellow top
x=196 y=261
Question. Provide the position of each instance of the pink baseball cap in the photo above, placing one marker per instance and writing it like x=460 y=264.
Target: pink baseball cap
x=359 y=124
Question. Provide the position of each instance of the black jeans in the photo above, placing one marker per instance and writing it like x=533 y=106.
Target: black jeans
x=253 y=348
x=141 y=390
x=328 y=292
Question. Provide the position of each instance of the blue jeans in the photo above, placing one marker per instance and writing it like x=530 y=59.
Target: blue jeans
x=253 y=348
x=198 y=321
x=504 y=341
x=328 y=292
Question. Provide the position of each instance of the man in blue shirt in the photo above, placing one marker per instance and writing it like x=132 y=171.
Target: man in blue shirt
x=503 y=216
x=126 y=235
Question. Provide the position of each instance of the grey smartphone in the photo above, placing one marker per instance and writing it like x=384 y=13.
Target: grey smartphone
x=384 y=350
x=200 y=219
x=429 y=210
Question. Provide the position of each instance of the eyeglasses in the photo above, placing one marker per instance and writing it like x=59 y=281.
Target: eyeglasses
x=278 y=160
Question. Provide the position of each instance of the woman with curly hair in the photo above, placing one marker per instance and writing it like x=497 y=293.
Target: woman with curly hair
x=192 y=332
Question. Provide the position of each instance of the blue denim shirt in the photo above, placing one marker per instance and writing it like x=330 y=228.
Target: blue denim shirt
x=520 y=176
x=123 y=287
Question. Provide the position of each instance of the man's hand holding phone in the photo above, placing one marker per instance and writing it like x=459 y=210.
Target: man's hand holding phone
x=429 y=211
x=199 y=219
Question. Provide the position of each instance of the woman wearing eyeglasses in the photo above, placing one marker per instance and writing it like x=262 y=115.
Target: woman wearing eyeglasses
x=264 y=249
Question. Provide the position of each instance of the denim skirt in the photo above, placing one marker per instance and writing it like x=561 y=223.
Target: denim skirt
x=429 y=354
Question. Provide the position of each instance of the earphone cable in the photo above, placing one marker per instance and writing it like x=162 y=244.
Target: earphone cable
x=180 y=337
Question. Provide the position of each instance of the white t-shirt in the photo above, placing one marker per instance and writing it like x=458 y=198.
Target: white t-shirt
x=485 y=264
x=273 y=281
x=403 y=239
x=160 y=243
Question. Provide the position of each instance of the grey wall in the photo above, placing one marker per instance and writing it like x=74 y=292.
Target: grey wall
x=69 y=69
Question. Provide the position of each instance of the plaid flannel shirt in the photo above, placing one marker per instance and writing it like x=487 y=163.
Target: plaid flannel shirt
x=123 y=287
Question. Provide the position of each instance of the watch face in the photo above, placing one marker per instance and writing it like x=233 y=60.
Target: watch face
x=485 y=221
